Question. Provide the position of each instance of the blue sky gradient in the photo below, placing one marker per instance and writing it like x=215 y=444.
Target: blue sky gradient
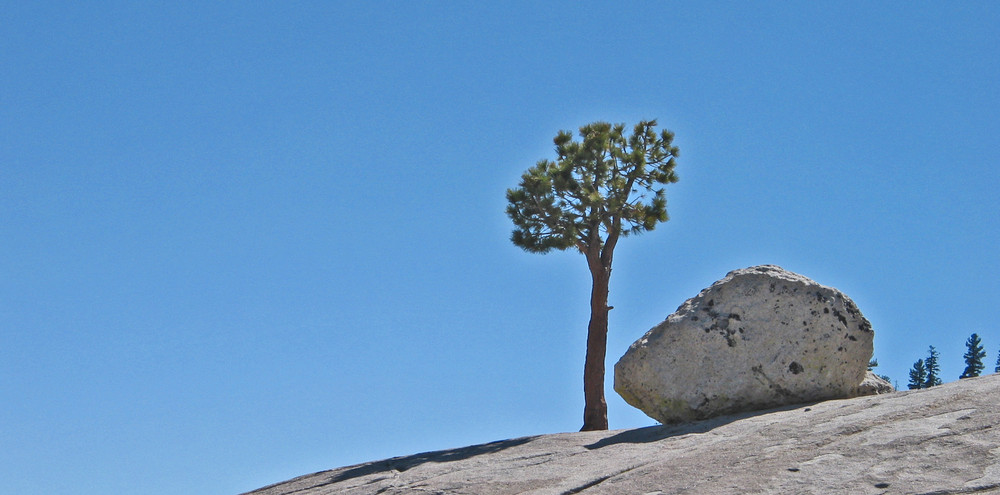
x=248 y=241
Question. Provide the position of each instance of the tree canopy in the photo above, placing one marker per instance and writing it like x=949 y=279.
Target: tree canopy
x=598 y=189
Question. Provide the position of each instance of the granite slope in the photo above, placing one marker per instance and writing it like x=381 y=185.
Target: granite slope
x=941 y=440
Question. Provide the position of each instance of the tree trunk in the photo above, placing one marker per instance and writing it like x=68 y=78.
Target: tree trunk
x=595 y=409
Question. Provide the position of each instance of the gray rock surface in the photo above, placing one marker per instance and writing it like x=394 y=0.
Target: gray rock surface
x=759 y=338
x=874 y=384
x=939 y=440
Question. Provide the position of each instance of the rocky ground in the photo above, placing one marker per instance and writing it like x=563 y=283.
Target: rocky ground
x=936 y=441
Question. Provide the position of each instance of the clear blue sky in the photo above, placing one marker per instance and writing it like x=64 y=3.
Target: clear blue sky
x=244 y=241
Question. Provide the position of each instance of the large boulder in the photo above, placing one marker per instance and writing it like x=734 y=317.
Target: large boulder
x=761 y=337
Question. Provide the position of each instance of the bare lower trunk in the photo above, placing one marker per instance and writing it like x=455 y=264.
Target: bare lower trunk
x=595 y=409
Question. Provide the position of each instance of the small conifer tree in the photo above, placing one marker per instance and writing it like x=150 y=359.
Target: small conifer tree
x=932 y=368
x=997 y=369
x=918 y=375
x=974 y=355
x=600 y=189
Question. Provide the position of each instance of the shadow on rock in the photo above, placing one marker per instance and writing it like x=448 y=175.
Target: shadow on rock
x=400 y=464
x=660 y=432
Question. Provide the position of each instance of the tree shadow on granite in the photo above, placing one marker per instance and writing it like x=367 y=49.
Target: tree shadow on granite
x=660 y=432
x=400 y=464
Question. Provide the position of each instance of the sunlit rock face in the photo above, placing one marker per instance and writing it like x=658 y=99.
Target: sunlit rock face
x=936 y=440
x=761 y=337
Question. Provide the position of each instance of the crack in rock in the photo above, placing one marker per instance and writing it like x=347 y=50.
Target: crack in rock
x=974 y=489
x=602 y=479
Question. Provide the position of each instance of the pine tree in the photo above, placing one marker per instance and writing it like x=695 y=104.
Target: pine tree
x=997 y=369
x=932 y=368
x=973 y=357
x=918 y=375
x=600 y=189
